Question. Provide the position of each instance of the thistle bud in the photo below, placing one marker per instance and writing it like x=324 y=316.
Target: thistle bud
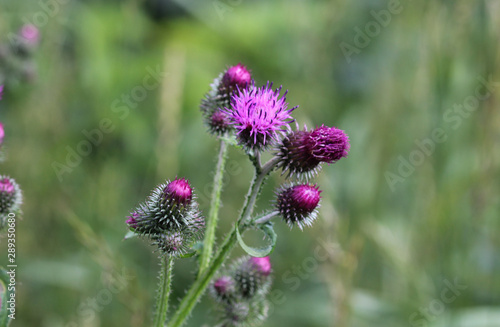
x=297 y=204
x=235 y=77
x=252 y=276
x=302 y=152
x=170 y=218
x=222 y=289
x=10 y=197
x=219 y=96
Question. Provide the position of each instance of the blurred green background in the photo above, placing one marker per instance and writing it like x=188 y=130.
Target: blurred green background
x=403 y=217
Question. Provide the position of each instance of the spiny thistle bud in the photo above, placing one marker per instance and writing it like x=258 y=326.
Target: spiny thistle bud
x=219 y=123
x=302 y=152
x=259 y=114
x=170 y=218
x=222 y=289
x=252 y=276
x=297 y=204
x=219 y=96
x=10 y=197
x=235 y=77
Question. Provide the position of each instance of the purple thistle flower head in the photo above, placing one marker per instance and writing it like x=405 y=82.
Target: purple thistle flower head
x=236 y=77
x=30 y=34
x=302 y=152
x=262 y=265
x=259 y=114
x=179 y=191
x=297 y=204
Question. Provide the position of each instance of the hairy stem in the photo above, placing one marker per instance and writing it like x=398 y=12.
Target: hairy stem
x=167 y=262
x=198 y=288
x=213 y=214
x=266 y=218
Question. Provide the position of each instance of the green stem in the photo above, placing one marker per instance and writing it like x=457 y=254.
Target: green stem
x=198 y=288
x=213 y=214
x=167 y=262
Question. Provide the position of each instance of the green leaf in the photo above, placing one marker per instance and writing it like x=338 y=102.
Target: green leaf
x=130 y=234
x=5 y=295
x=188 y=255
x=268 y=230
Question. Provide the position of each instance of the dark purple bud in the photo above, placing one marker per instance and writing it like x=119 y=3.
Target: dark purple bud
x=297 y=204
x=179 y=191
x=302 y=152
x=219 y=123
x=132 y=220
x=236 y=77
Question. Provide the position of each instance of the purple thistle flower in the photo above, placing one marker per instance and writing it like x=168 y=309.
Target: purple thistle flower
x=302 y=152
x=179 y=191
x=297 y=204
x=258 y=114
x=236 y=77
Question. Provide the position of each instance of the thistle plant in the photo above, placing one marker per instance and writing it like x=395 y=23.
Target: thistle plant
x=255 y=119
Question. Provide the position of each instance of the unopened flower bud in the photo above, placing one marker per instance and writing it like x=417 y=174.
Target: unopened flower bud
x=10 y=198
x=252 y=276
x=297 y=204
x=236 y=77
x=302 y=152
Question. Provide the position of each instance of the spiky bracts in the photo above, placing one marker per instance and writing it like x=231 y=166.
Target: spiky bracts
x=297 y=204
x=302 y=152
x=259 y=116
x=241 y=292
x=11 y=198
x=219 y=96
x=170 y=218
